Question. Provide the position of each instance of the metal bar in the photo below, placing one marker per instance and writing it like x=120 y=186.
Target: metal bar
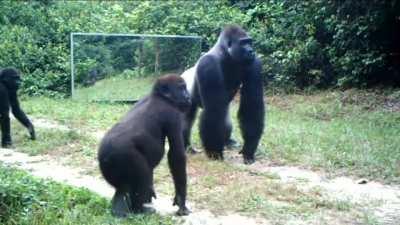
x=134 y=35
x=72 y=65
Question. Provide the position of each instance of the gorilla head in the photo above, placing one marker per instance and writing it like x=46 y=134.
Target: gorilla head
x=10 y=78
x=238 y=44
x=173 y=89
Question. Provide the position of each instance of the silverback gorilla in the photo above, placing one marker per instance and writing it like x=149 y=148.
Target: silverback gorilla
x=134 y=147
x=10 y=81
x=213 y=82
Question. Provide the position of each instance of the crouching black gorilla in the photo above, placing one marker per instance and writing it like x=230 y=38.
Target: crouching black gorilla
x=10 y=81
x=133 y=147
x=230 y=65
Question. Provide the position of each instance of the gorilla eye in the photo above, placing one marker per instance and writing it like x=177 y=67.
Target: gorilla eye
x=164 y=89
x=245 y=41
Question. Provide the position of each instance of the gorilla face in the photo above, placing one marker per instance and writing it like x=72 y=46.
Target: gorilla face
x=175 y=91
x=11 y=79
x=241 y=50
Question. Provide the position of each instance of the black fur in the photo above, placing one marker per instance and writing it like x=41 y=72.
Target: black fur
x=229 y=66
x=9 y=83
x=134 y=147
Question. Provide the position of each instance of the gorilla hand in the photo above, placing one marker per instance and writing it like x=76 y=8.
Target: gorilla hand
x=32 y=133
x=183 y=210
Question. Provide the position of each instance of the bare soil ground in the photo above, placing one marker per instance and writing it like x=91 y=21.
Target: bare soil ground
x=383 y=201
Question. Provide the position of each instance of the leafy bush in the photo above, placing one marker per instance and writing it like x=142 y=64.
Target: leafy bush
x=326 y=43
x=26 y=200
x=319 y=43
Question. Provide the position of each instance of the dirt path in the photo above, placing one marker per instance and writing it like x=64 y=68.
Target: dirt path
x=46 y=167
x=382 y=200
x=385 y=198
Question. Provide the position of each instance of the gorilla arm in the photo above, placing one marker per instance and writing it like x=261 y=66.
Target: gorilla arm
x=251 y=111
x=177 y=163
x=20 y=115
x=215 y=103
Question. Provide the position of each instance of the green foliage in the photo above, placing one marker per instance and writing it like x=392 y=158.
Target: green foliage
x=26 y=200
x=203 y=18
x=319 y=43
x=355 y=132
x=325 y=43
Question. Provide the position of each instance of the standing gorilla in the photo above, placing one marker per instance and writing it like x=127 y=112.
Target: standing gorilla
x=134 y=147
x=10 y=81
x=213 y=82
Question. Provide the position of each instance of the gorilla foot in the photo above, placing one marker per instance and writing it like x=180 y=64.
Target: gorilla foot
x=151 y=195
x=7 y=144
x=120 y=205
x=215 y=155
x=32 y=132
x=192 y=151
x=248 y=160
x=183 y=211
x=232 y=144
x=145 y=209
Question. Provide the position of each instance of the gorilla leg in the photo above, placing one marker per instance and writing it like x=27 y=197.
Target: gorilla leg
x=130 y=174
x=120 y=203
x=190 y=116
x=152 y=192
x=228 y=128
x=140 y=182
x=212 y=133
x=138 y=195
x=5 y=129
x=228 y=140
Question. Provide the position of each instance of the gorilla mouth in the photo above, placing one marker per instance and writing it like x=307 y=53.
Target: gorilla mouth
x=184 y=105
x=250 y=57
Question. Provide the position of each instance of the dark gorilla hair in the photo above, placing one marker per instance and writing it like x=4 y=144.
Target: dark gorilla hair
x=131 y=150
x=229 y=66
x=10 y=81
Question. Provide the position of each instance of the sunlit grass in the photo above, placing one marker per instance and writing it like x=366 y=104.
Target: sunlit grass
x=115 y=89
x=322 y=131
x=28 y=200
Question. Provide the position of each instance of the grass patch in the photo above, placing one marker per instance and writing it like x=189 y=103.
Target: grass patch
x=324 y=131
x=83 y=116
x=49 y=140
x=351 y=133
x=28 y=200
x=70 y=147
x=221 y=187
x=116 y=88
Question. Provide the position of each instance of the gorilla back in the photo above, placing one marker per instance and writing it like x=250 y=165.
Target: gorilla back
x=229 y=66
x=131 y=150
